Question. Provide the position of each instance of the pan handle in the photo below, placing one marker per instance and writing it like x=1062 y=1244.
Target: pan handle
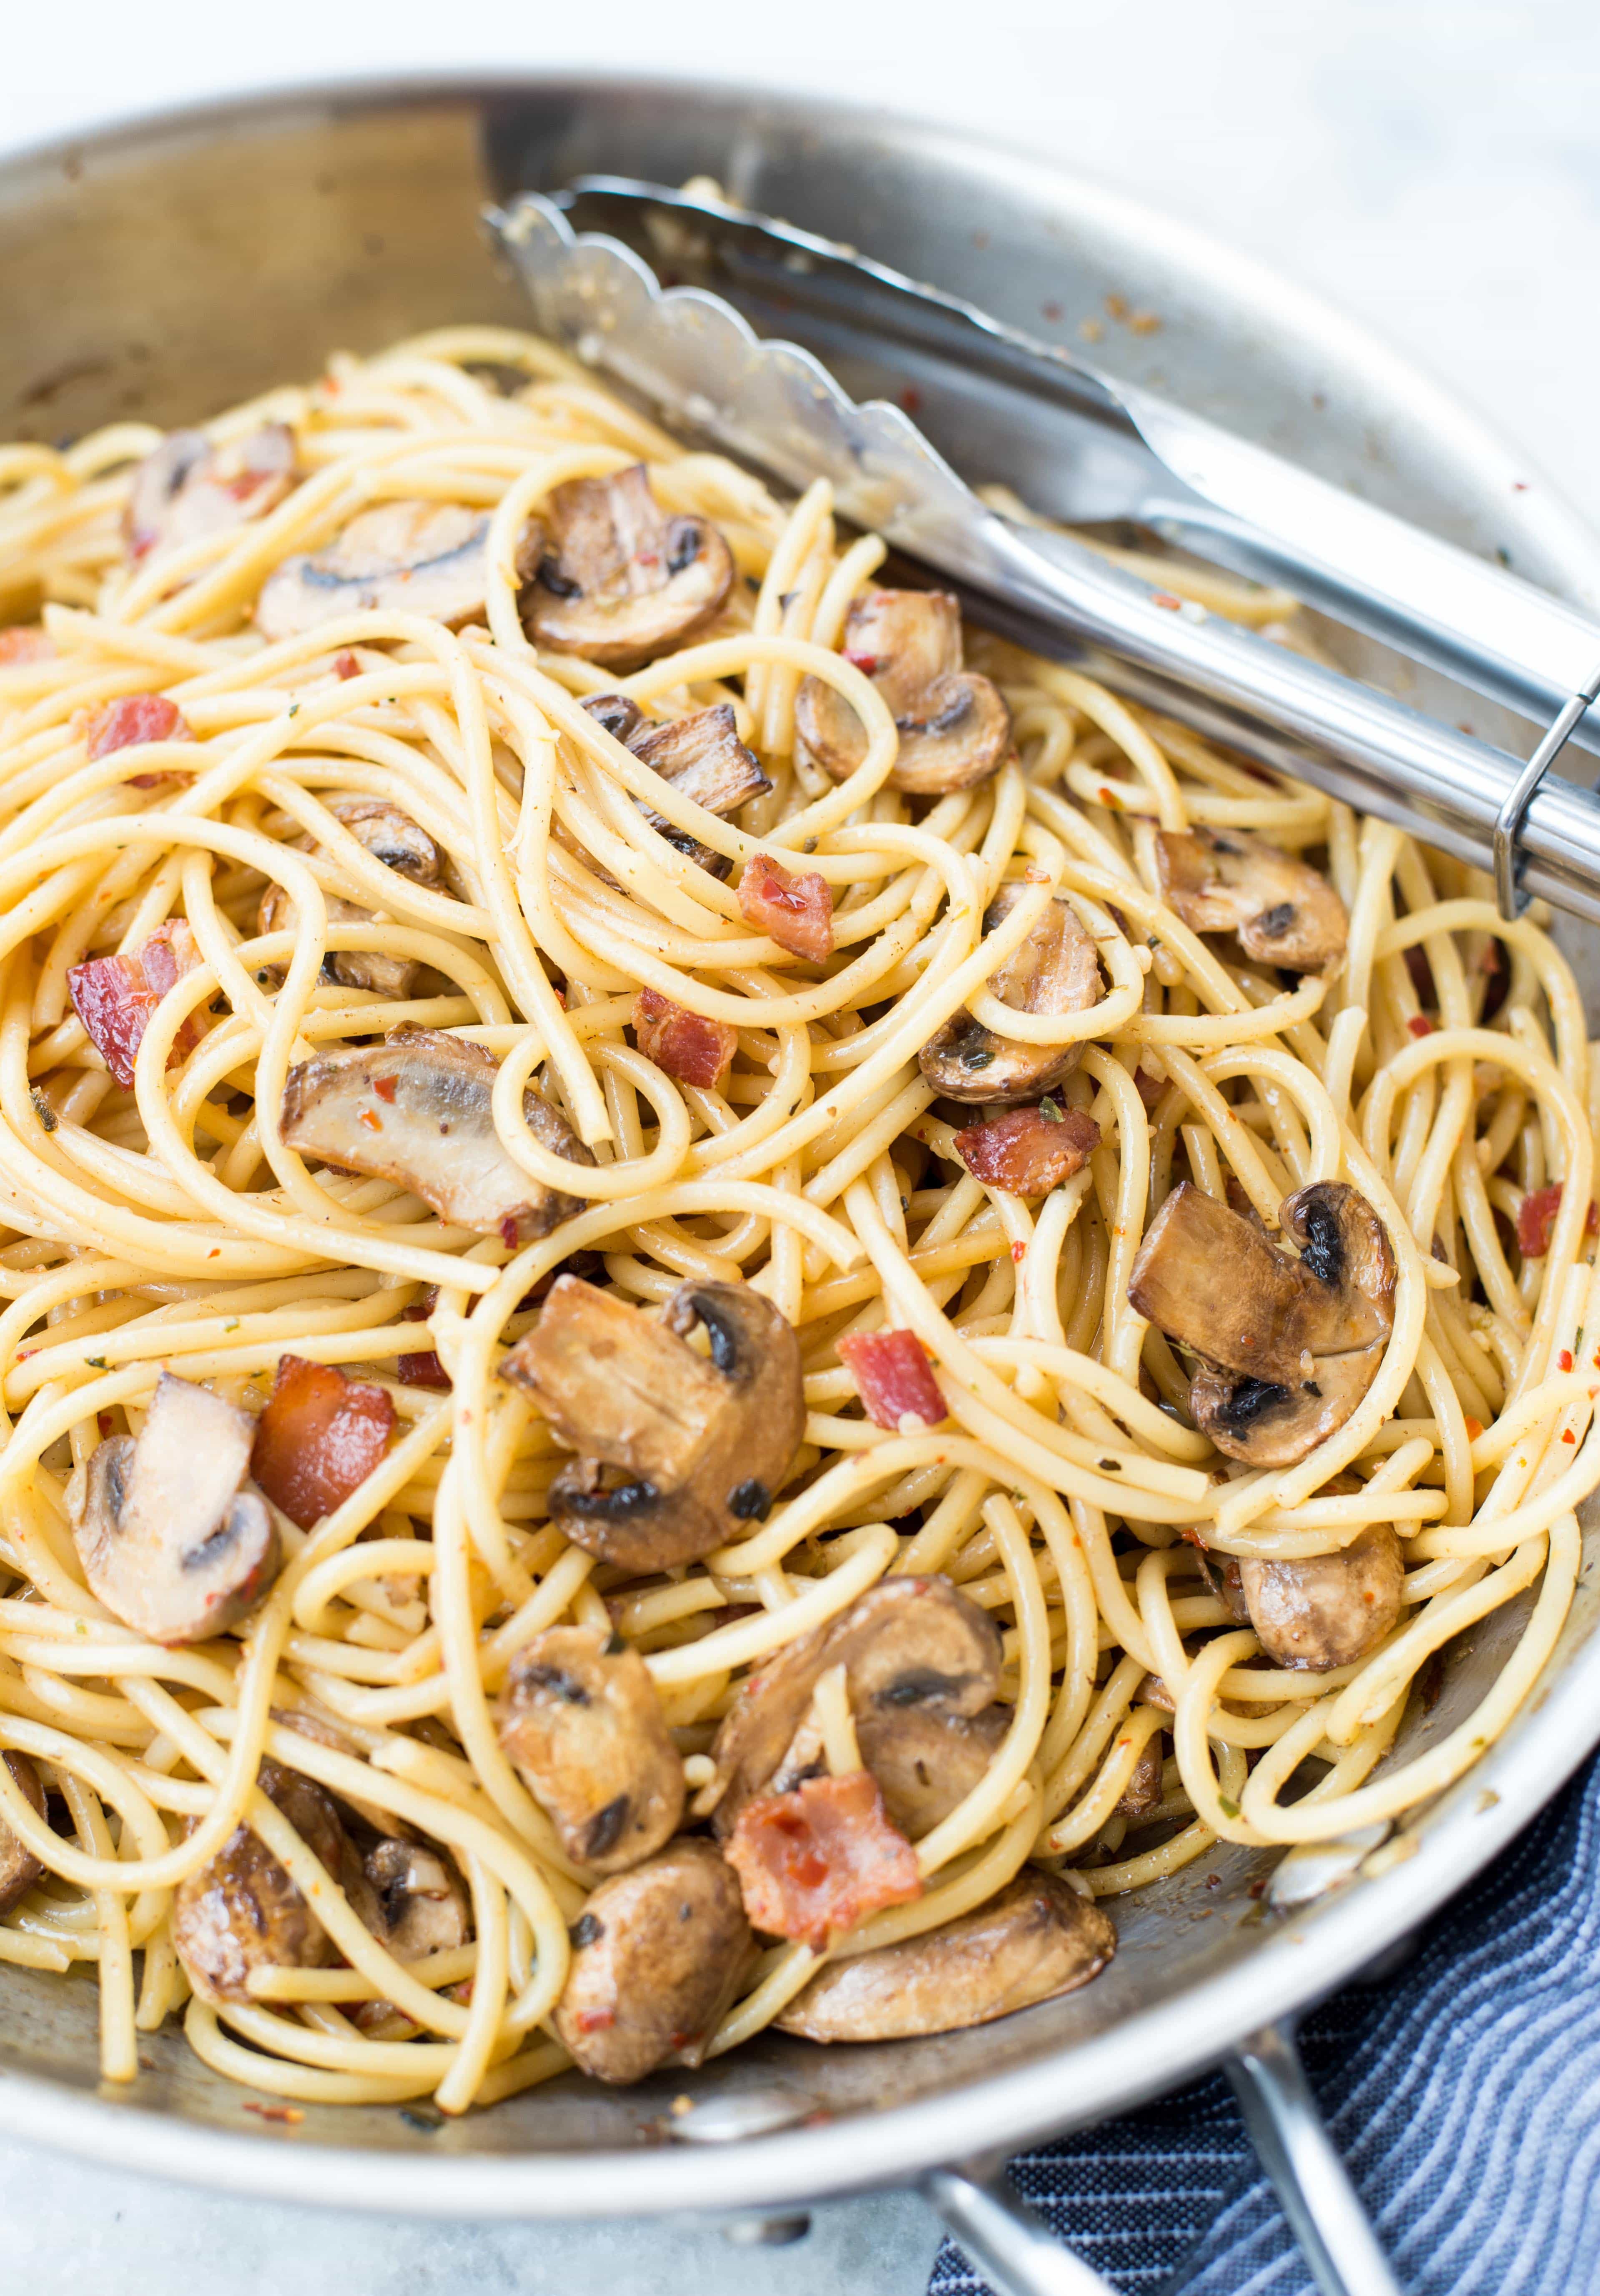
x=1018 y=2253
x=1312 y=2182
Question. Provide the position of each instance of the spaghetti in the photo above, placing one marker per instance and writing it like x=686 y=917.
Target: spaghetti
x=173 y=749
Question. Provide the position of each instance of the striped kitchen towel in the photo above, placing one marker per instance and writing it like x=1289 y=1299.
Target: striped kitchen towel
x=1464 y=2092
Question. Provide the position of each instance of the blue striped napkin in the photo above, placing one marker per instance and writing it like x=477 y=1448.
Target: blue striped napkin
x=1463 y=2094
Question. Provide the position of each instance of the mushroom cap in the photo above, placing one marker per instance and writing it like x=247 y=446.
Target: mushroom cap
x=911 y=1647
x=676 y=1453
x=660 y=1954
x=618 y=581
x=580 y=1718
x=417 y=1109
x=1035 y=1940
x=409 y=1895
x=20 y=1869
x=393 y=837
x=422 y=558
x=188 y=487
x=1283 y=911
x=242 y=1912
x=1056 y=970
x=1326 y=1609
x=953 y=724
x=174 y=1538
x=927 y=1762
x=700 y=754
x=1287 y=1347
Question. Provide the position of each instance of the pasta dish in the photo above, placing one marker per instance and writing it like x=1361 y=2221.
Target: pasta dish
x=718 y=1302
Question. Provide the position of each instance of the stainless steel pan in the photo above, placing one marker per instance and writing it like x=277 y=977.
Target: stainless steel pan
x=165 y=268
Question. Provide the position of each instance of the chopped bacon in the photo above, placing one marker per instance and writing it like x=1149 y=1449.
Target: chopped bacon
x=129 y=722
x=114 y=997
x=1029 y=1151
x=894 y=1380
x=1420 y=1025
x=693 y=1050
x=1150 y=1088
x=796 y=912
x=319 y=1438
x=821 y=1858
x=1536 y=1220
x=423 y=1370
x=25 y=643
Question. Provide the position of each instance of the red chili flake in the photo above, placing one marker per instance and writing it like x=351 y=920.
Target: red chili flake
x=1052 y=311
x=370 y=1119
x=1474 y=1428
x=508 y=1233
x=23 y=643
x=345 y=665
x=1565 y=1359
x=1165 y=598
x=1108 y=797
x=595 y=2021
x=892 y=1378
x=821 y=1858
x=795 y=911
x=102 y=1421
x=1568 y=1436
x=911 y=398
x=866 y=663
x=1536 y=1220
x=319 y=1438
x=384 y=1086
x=1420 y=1025
x=1019 y=1251
x=290 y=2114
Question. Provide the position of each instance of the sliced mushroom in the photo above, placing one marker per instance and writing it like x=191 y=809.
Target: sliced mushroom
x=422 y=558
x=700 y=755
x=241 y=1911
x=189 y=487
x=619 y=581
x=1283 y=911
x=927 y=1762
x=677 y=1453
x=1036 y=1940
x=1287 y=1347
x=417 y=1109
x=953 y=724
x=174 y=1539
x=393 y=837
x=1143 y=1791
x=1326 y=1609
x=20 y=1869
x=409 y=1895
x=916 y=1652
x=581 y=1718
x=660 y=1954
x=1056 y=970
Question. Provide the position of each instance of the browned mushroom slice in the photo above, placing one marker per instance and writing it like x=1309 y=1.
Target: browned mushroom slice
x=410 y=1896
x=417 y=1111
x=660 y=1954
x=927 y=1762
x=393 y=837
x=620 y=582
x=1286 y=1347
x=1283 y=911
x=405 y=557
x=954 y=725
x=581 y=1718
x=175 y=1541
x=189 y=487
x=241 y=1911
x=1056 y=970
x=20 y=1869
x=677 y=1453
x=1143 y=1791
x=700 y=755
x=1036 y=1940
x=1326 y=1609
x=915 y=1651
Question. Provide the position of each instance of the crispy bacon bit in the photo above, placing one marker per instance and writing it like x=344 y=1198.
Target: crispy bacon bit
x=25 y=643
x=1536 y=1220
x=892 y=1379
x=1027 y=1152
x=132 y=721
x=384 y=1086
x=693 y=1050
x=820 y=1860
x=424 y=1370
x=114 y=997
x=1420 y=1025
x=1149 y=1089
x=319 y=1438
x=796 y=912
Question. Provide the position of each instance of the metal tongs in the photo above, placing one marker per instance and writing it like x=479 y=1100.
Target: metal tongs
x=706 y=372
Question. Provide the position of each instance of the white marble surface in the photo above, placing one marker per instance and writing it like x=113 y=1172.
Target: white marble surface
x=1431 y=166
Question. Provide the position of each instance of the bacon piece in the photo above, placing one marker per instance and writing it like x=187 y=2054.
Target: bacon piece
x=1150 y=1090
x=424 y=1370
x=1029 y=1151
x=1536 y=1220
x=25 y=641
x=820 y=1858
x=894 y=1380
x=345 y=665
x=114 y=997
x=319 y=1438
x=796 y=912
x=693 y=1050
x=131 y=721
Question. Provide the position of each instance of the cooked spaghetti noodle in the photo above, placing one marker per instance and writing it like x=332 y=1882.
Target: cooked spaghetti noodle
x=166 y=1224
